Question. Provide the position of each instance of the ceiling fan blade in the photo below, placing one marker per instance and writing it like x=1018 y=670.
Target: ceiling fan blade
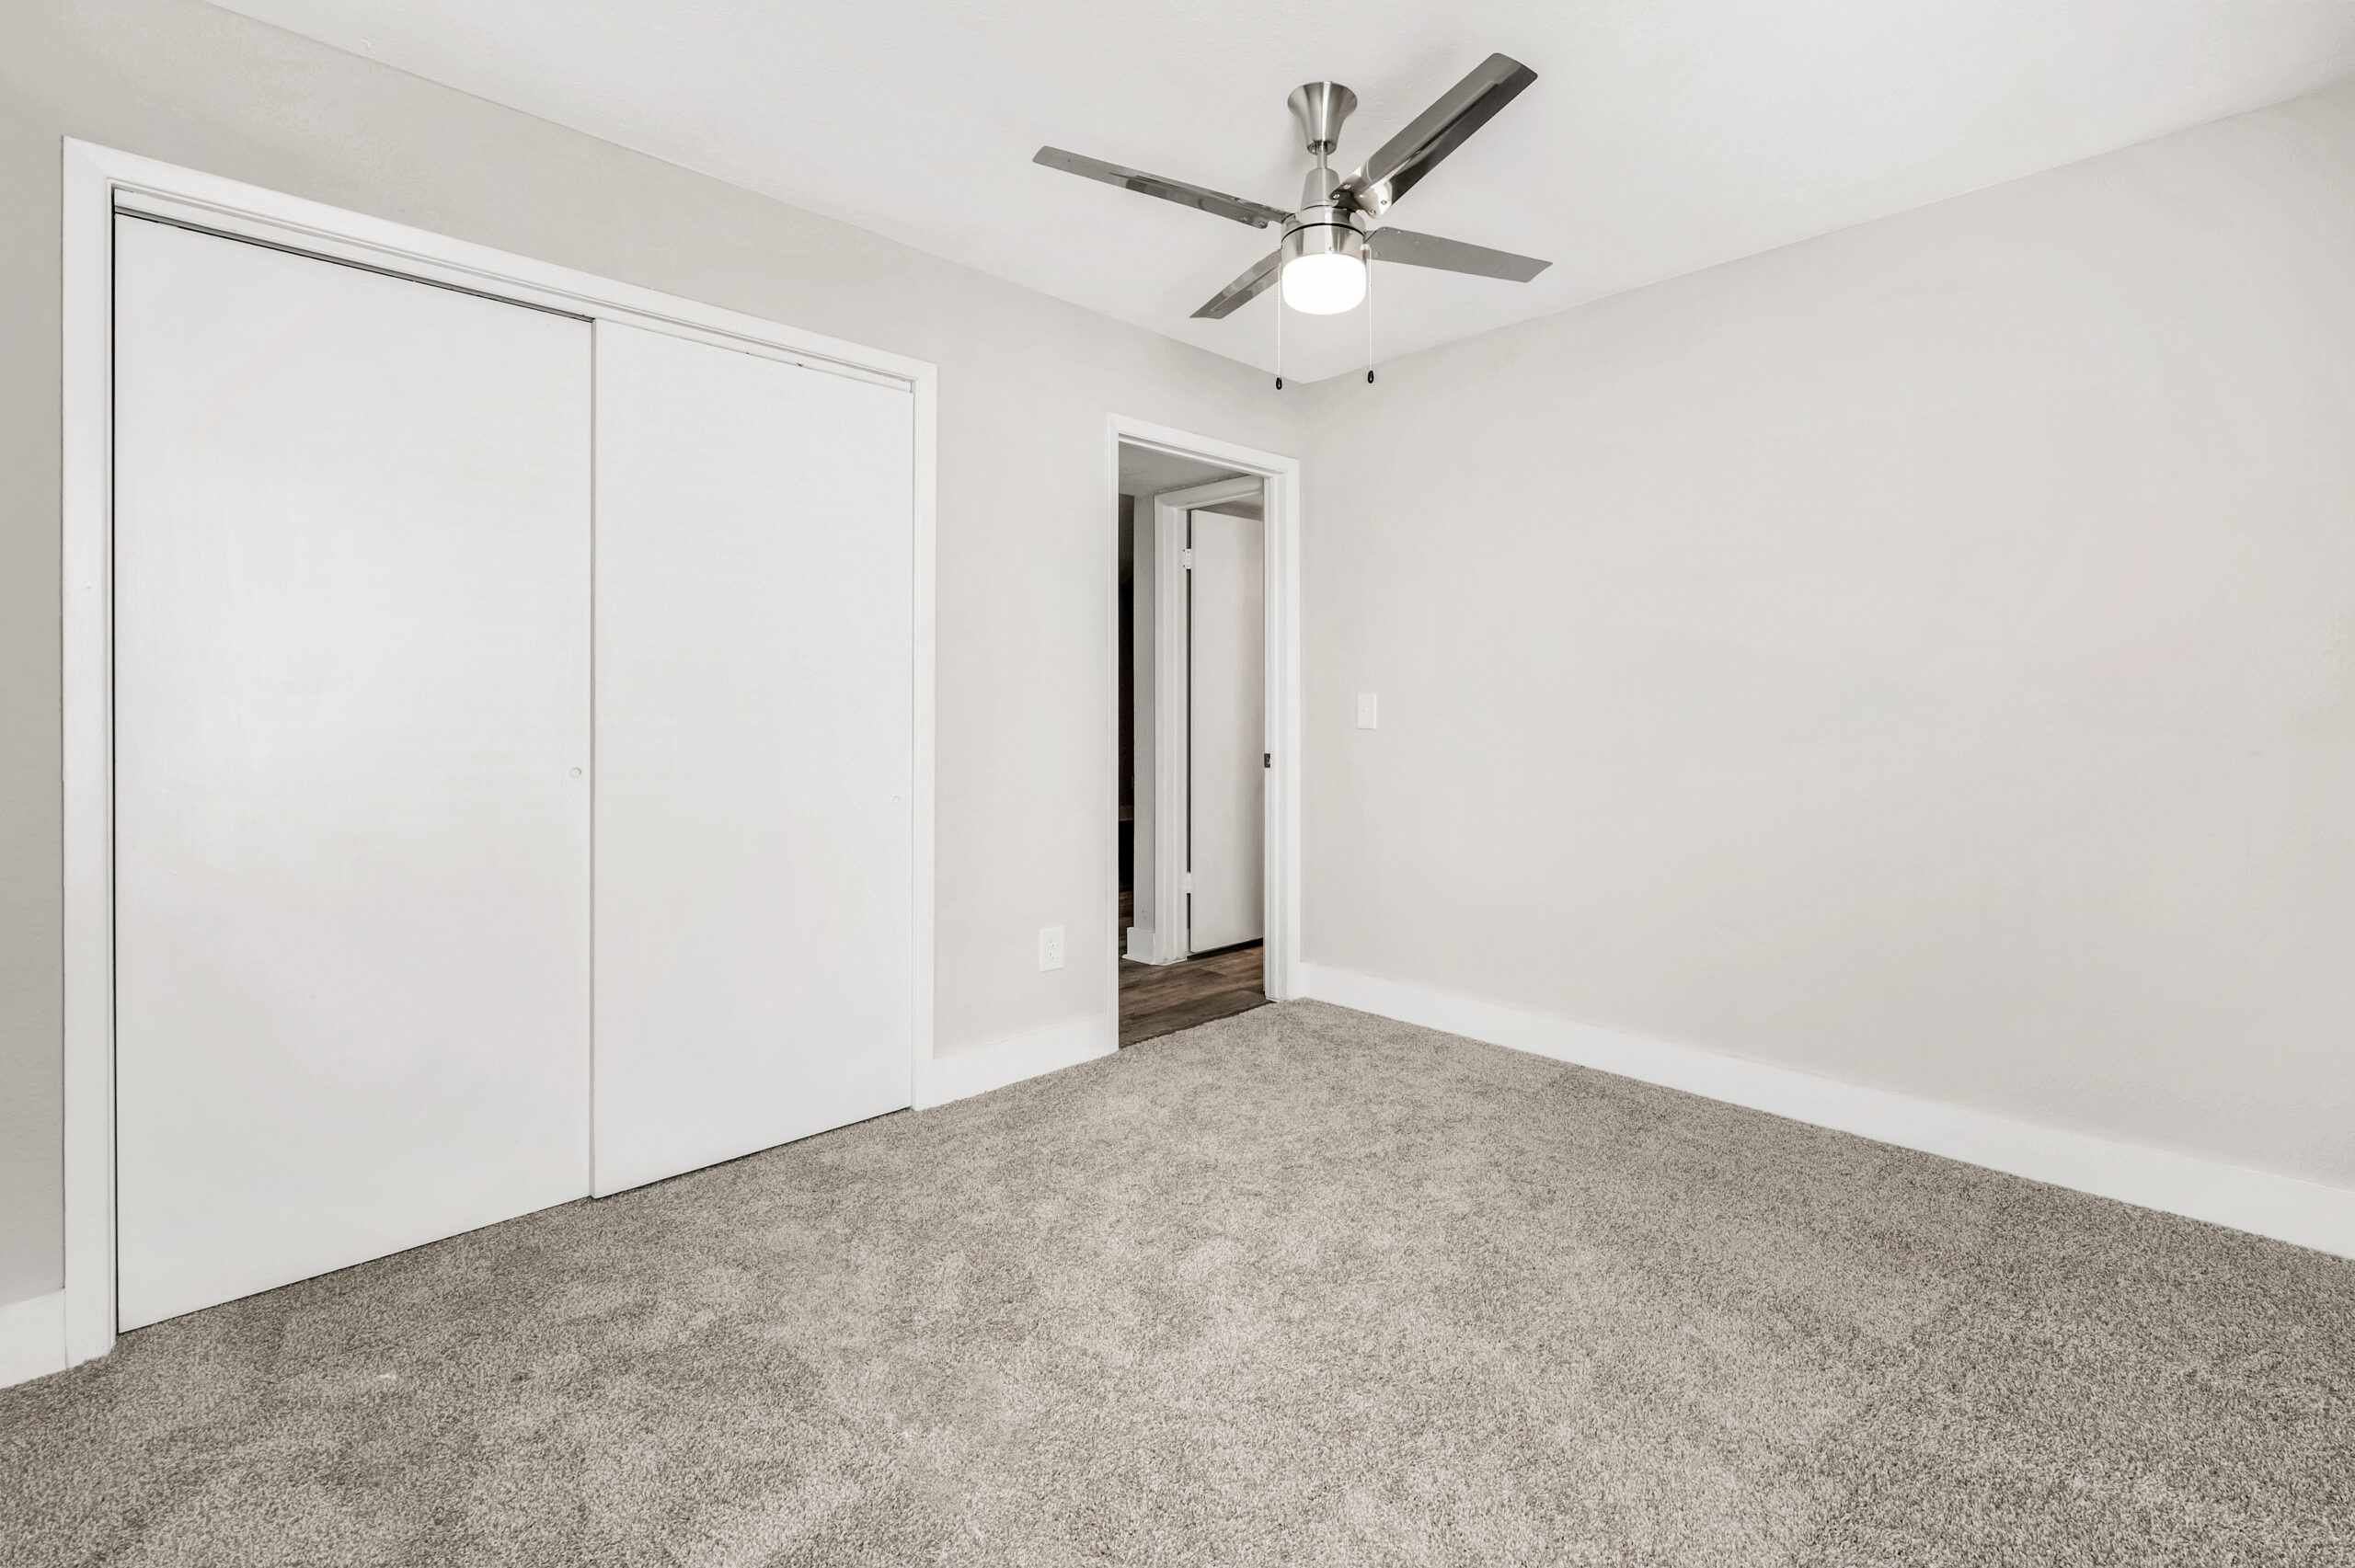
x=1437 y=132
x=1259 y=215
x=1249 y=286
x=1452 y=256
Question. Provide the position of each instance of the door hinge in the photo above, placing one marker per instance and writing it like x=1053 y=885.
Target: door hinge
x=1189 y=882
x=1267 y=759
x=1186 y=559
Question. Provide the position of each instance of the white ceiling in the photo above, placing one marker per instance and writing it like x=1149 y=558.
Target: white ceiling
x=1662 y=136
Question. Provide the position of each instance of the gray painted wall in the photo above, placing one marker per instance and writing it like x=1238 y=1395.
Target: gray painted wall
x=1026 y=384
x=1922 y=656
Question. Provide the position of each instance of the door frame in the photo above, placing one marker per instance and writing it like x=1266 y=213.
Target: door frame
x=1278 y=480
x=97 y=181
x=1173 y=668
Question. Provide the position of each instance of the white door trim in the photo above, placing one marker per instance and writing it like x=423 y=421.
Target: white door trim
x=97 y=181
x=1173 y=704
x=1281 y=533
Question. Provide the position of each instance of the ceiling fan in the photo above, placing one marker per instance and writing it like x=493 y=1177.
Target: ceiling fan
x=1326 y=242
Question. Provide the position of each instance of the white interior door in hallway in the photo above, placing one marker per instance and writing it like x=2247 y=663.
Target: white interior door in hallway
x=1226 y=690
x=351 y=732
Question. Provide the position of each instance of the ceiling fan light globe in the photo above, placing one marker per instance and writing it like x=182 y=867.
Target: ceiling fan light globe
x=1324 y=285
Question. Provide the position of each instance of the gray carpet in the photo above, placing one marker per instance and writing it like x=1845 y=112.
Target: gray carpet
x=1299 y=1287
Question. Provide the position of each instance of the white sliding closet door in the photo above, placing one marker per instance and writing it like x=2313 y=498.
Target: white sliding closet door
x=756 y=735
x=1226 y=684
x=351 y=710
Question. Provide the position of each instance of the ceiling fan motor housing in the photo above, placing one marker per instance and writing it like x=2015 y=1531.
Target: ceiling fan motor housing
x=1323 y=229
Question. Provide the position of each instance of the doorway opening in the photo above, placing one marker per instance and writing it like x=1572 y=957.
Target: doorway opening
x=1195 y=756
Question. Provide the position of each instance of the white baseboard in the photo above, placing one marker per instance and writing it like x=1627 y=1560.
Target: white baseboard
x=2308 y=1214
x=1141 y=945
x=32 y=1338
x=977 y=1069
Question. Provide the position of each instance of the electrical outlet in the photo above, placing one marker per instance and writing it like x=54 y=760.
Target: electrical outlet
x=1050 y=947
x=1365 y=710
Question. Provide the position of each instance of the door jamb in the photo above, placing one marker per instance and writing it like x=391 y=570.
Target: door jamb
x=1280 y=544
x=97 y=180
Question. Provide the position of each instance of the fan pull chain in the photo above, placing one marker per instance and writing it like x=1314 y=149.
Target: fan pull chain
x=1279 y=327
x=1369 y=315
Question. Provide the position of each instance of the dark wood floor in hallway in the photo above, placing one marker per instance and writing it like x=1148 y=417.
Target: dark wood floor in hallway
x=1161 y=998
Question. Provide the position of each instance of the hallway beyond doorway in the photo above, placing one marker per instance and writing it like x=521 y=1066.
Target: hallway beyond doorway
x=1161 y=998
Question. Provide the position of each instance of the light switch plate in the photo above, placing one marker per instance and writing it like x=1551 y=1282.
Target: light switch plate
x=1365 y=710
x=1050 y=947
